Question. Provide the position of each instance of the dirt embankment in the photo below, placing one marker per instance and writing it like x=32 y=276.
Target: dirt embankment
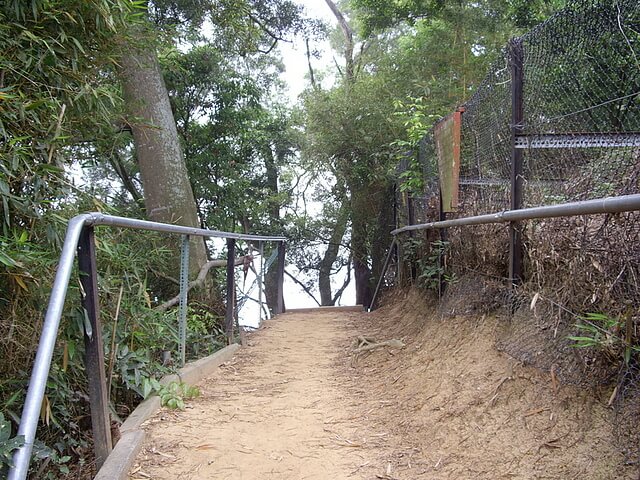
x=470 y=411
x=298 y=404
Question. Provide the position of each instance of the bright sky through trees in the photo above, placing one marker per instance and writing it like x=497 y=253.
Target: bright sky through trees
x=295 y=56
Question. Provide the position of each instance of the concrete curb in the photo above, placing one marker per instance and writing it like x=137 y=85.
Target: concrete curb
x=121 y=458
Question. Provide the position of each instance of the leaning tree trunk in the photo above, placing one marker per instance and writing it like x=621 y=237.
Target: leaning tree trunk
x=330 y=256
x=382 y=239
x=362 y=272
x=273 y=209
x=359 y=222
x=168 y=195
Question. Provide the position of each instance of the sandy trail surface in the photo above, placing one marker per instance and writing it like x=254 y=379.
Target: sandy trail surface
x=278 y=410
x=297 y=404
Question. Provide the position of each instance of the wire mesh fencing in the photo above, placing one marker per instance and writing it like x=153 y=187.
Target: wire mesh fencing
x=556 y=119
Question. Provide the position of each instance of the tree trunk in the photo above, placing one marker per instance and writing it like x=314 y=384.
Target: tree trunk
x=385 y=224
x=347 y=32
x=168 y=196
x=271 y=276
x=329 y=257
x=362 y=272
x=359 y=222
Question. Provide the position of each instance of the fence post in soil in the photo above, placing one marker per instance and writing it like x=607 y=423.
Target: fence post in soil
x=411 y=221
x=394 y=244
x=94 y=352
x=281 y=257
x=442 y=216
x=231 y=288
x=184 y=288
x=517 y=127
x=260 y=280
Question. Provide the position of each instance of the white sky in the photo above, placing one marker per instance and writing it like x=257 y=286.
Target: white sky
x=295 y=54
x=297 y=78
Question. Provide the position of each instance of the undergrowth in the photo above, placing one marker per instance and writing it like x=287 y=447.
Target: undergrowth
x=135 y=335
x=575 y=312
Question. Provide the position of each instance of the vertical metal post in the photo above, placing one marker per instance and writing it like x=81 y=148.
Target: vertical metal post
x=260 y=280
x=444 y=236
x=395 y=206
x=410 y=211
x=281 y=258
x=517 y=127
x=184 y=288
x=394 y=242
x=231 y=289
x=94 y=351
x=411 y=221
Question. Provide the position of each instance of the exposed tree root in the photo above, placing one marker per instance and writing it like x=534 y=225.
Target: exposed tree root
x=367 y=344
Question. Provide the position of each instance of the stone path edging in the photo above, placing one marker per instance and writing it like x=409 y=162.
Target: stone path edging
x=119 y=461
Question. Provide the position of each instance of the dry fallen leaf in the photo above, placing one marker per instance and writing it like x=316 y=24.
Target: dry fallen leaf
x=206 y=446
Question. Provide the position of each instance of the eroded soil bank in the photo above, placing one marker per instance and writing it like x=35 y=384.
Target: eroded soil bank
x=296 y=403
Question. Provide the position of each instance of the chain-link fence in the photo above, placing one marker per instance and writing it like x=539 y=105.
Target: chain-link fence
x=570 y=132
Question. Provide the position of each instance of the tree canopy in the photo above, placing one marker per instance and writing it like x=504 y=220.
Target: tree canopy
x=175 y=110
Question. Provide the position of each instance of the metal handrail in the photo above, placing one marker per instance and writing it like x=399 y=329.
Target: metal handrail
x=44 y=355
x=95 y=219
x=622 y=203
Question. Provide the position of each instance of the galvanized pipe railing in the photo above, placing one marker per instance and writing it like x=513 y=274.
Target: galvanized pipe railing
x=623 y=203
x=80 y=238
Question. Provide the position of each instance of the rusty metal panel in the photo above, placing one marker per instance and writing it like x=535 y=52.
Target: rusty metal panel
x=447 y=138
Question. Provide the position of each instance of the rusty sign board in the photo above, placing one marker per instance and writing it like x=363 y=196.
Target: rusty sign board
x=447 y=139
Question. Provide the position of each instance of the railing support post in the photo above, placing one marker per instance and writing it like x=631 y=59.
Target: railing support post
x=517 y=127
x=411 y=221
x=280 y=308
x=231 y=289
x=260 y=280
x=444 y=237
x=184 y=289
x=94 y=351
x=394 y=243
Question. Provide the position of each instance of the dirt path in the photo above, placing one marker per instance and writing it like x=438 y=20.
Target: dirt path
x=295 y=404
x=278 y=410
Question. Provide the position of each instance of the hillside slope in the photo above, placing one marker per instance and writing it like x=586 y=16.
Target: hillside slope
x=465 y=410
x=300 y=401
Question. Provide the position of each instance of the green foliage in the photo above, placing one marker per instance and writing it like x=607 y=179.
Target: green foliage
x=54 y=70
x=58 y=463
x=174 y=394
x=427 y=262
x=236 y=26
x=136 y=369
x=233 y=143
x=605 y=334
x=376 y=15
x=417 y=120
x=7 y=443
x=205 y=331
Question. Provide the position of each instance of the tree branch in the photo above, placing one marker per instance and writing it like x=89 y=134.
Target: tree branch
x=344 y=285
x=268 y=50
x=199 y=281
x=304 y=287
x=276 y=38
x=312 y=77
x=348 y=40
x=116 y=162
